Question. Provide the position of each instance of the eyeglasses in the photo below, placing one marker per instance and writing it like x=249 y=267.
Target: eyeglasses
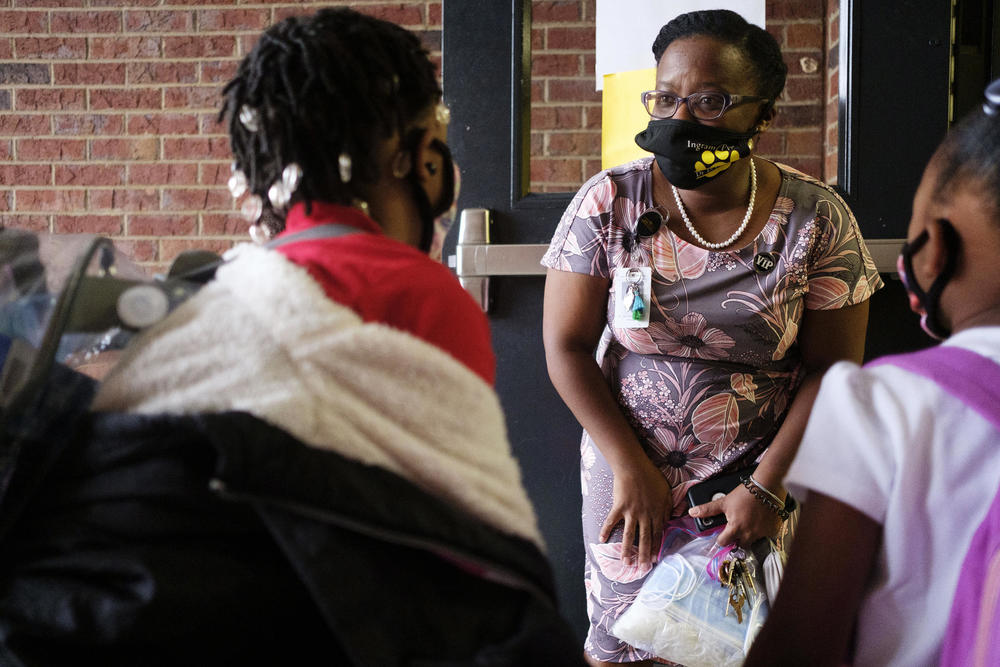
x=703 y=106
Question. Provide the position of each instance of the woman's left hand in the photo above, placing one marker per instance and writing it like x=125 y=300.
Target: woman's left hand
x=747 y=519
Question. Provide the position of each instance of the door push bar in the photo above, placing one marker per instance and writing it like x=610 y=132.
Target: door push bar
x=475 y=259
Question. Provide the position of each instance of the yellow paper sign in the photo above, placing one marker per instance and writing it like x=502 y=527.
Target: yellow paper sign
x=623 y=115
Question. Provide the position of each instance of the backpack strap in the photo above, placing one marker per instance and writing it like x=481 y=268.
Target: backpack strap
x=966 y=375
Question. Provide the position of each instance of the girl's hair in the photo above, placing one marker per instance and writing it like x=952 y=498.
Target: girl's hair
x=756 y=44
x=338 y=82
x=970 y=154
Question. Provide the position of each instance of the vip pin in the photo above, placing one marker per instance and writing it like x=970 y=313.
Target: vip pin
x=765 y=262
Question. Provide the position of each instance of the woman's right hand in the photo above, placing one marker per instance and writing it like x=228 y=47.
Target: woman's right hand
x=642 y=503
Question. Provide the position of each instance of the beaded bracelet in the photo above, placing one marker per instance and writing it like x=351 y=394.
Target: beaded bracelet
x=772 y=496
x=762 y=496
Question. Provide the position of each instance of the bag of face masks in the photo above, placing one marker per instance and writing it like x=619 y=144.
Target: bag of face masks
x=701 y=606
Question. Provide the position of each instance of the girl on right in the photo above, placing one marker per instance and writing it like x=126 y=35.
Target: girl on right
x=900 y=463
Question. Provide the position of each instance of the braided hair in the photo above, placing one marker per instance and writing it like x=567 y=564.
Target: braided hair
x=756 y=44
x=321 y=86
x=970 y=154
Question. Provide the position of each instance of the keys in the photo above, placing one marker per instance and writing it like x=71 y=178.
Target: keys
x=733 y=574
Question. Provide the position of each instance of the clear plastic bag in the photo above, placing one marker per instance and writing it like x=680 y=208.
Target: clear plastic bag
x=684 y=614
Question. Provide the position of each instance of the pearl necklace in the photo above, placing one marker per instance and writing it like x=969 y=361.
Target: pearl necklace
x=739 y=231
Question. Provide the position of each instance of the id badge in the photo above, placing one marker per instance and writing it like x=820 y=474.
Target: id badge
x=631 y=287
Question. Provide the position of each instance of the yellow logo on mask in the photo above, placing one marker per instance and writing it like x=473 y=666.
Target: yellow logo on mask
x=713 y=163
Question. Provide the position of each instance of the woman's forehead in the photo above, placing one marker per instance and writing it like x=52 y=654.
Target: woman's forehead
x=704 y=60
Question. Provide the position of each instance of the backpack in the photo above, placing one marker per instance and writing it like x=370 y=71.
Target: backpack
x=972 y=636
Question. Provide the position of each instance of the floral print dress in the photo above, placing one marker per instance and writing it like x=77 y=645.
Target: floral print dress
x=707 y=384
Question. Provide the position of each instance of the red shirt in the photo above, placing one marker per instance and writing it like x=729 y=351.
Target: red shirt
x=387 y=281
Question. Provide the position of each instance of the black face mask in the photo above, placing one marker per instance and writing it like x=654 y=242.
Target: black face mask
x=691 y=154
x=429 y=212
x=930 y=301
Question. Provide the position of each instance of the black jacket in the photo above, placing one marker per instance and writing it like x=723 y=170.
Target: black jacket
x=221 y=540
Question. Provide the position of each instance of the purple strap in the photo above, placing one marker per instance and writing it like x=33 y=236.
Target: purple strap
x=972 y=636
x=966 y=375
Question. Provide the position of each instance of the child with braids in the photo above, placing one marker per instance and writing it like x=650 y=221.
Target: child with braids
x=306 y=461
x=900 y=459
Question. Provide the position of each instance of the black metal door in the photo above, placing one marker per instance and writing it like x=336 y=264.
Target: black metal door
x=486 y=71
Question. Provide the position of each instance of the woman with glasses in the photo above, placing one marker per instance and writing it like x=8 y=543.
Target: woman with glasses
x=716 y=287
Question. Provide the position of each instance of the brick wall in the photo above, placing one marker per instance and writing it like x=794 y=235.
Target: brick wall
x=107 y=108
x=108 y=114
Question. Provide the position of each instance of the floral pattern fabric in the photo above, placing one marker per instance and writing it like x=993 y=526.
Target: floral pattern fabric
x=707 y=384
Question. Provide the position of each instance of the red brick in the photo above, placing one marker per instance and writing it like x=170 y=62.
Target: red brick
x=796 y=61
x=537 y=144
x=590 y=167
x=590 y=13
x=199 y=148
x=832 y=138
x=88 y=73
x=25 y=174
x=232 y=20
x=218 y=71
x=772 y=142
x=808 y=165
x=30 y=23
x=556 y=118
x=51 y=149
x=105 y=225
x=125 y=48
x=50 y=99
x=555 y=64
x=804 y=89
x=31 y=223
x=224 y=224
x=574 y=144
x=6 y=48
x=201 y=46
x=777 y=30
x=573 y=90
x=126 y=98
x=282 y=13
x=162 y=225
x=169 y=249
x=830 y=169
x=196 y=199
x=778 y=10
x=6 y=149
x=192 y=97
x=50 y=201
x=5 y=197
x=805 y=35
x=805 y=142
x=146 y=148
x=555 y=12
x=575 y=39
x=406 y=15
x=128 y=3
x=799 y=115
x=162 y=123
x=556 y=171
x=214 y=173
x=434 y=15
x=83 y=124
x=592 y=118
x=157 y=72
x=210 y=124
x=87 y=22
x=138 y=250
x=89 y=174
x=538 y=91
x=159 y=21
x=537 y=39
x=48 y=4
x=100 y=199
x=20 y=125
x=161 y=174
x=136 y=199
x=62 y=48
